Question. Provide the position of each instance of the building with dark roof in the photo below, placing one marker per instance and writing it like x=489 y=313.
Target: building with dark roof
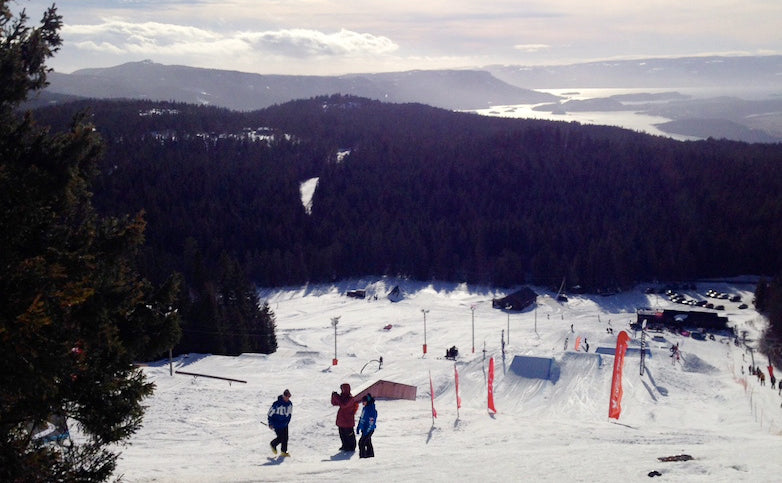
x=519 y=300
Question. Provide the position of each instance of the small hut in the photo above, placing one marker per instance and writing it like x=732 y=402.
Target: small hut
x=518 y=300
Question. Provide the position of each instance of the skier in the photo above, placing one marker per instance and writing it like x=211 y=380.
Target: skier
x=366 y=427
x=346 y=416
x=279 y=416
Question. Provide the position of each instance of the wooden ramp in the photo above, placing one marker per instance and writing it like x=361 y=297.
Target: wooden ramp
x=389 y=390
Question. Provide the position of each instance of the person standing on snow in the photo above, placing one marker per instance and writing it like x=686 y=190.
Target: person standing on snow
x=279 y=417
x=366 y=427
x=346 y=416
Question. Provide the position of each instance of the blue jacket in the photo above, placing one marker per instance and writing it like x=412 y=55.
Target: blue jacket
x=368 y=419
x=280 y=413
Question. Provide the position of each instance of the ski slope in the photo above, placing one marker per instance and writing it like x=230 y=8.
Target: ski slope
x=207 y=430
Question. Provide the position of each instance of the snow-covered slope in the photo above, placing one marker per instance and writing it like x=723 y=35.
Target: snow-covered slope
x=200 y=429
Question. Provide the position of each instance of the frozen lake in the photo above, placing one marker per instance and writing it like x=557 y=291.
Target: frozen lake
x=629 y=119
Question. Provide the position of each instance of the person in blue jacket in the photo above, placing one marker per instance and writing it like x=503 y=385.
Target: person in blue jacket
x=279 y=416
x=366 y=426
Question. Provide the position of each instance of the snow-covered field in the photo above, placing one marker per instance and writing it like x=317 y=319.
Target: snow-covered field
x=201 y=429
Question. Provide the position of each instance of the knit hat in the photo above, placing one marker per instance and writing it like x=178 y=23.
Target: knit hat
x=368 y=398
x=286 y=393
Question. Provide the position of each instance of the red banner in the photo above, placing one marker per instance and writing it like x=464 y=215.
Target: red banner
x=578 y=343
x=770 y=371
x=491 y=385
x=431 y=391
x=456 y=378
x=615 y=406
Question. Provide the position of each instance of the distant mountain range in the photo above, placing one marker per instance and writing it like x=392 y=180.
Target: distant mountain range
x=449 y=89
x=737 y=98
x=743 y=74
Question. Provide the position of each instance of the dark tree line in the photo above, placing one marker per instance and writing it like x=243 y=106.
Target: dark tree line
x=434 y=194
x=768 y=301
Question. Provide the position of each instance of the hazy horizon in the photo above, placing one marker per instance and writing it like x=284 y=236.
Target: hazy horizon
x=326 y=38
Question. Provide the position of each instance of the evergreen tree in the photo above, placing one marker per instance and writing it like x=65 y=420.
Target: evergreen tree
x=74 y=314
x=768 y=300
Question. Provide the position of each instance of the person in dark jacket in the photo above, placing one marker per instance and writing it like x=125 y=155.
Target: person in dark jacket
x=346 y=416
x=279 y=417
x=366 y=427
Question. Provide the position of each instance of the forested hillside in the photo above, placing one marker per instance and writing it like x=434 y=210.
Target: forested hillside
x=432 y=194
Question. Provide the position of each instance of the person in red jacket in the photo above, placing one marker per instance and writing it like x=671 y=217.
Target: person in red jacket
x=346 y=416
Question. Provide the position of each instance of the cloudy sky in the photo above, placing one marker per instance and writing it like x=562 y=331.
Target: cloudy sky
x=328 y=37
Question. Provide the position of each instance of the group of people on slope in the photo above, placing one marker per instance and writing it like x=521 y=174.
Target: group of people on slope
x=758 y=372
x=281 y=410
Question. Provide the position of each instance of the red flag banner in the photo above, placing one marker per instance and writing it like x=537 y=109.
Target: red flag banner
x=578 y=343
x=615 y=406
x=770 y=371
x=491 y=385
x=456 y=379
x=431 y=391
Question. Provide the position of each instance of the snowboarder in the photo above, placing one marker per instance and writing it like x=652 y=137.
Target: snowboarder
x=452 y=353
x=366 y=427
x=279 y=417
x=346 y=416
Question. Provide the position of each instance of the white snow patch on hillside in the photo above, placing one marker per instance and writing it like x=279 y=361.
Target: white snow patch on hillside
x=207 y=430
x=307 y=189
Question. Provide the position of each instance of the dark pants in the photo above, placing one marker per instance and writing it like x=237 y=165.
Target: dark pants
x=281 y=439
x=348 y=438
x=365 y=449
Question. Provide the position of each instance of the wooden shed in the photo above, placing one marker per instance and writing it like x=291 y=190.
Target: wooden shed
x=518 y=300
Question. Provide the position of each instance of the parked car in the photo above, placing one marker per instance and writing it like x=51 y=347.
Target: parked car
x=743 y=306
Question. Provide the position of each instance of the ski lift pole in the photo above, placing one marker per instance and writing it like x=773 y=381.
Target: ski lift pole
x=536 y=318
x=334 y=322
x=424 y=311
x=643 y=350
x=472 y=308
x=502 y=341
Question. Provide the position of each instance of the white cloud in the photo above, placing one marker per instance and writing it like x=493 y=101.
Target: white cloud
x=306 y=43
x=199 y=46
x=531 y=47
